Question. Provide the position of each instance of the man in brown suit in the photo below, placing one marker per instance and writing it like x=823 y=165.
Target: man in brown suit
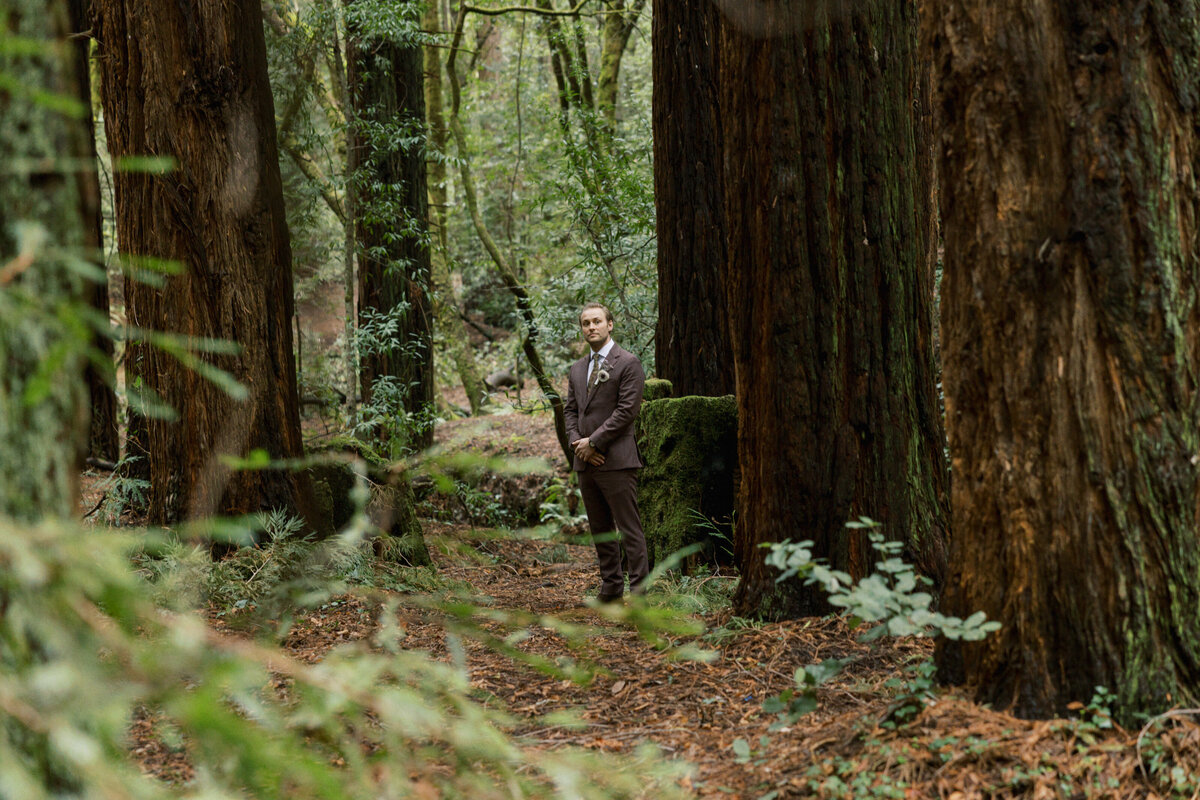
x=604 y=394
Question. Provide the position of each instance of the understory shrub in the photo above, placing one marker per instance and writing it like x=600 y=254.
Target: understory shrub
x=83 y=649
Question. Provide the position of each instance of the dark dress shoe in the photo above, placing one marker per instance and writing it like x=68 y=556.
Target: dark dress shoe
x=608 y=598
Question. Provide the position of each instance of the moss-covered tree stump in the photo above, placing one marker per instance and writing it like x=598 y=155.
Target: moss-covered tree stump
x=391 y=505
x=657 y=389
x=687 y=490
x=393 y=508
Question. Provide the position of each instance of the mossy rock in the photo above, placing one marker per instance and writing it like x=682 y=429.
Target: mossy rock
x=393 y=509
x=332 y=485
x=657 y=389
x=687 y=490
x=391 y=505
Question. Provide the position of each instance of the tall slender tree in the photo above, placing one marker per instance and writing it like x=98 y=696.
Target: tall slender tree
x=104 y=439
x=385 y=80
x=187 y=84
x=691 y=344
x=1071 y=337
x=830 y=286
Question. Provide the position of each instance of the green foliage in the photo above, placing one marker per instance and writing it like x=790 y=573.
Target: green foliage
x=555 y=509
x=701 y=592
x=390 y=418
x=286 y=572
x=743 y=753
x=43 y=348
x=888 y=597
x=914 y=691
x=1162 y=755
x=791 y=704
x=609 y=192
x=732 y=628
x=121 y=492
x=480 y=507
x=82 y=648
x=398 y=23
x=1098 y=713
x=465 y=503
x=571 y=204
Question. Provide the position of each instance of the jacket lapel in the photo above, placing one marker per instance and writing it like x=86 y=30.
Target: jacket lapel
x=579 y=380
x=610 y=363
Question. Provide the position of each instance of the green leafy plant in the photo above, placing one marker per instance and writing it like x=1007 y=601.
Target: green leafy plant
x=82 y=648
x=889 y=600
x=914 y=691
x=890 y=596
x=121 y=492
x=792 y=704
x=560 y=496
x=743 y=753
x=702 y=591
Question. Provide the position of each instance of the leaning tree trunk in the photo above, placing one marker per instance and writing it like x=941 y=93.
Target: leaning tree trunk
x=104 y=438
x=1071 y=337
x=830 y=287
x=188 y=82
x=692 y=348
x=387 y=160
x=43 y=394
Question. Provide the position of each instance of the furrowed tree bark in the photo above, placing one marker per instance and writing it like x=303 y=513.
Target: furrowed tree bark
x=188 y=82
x=104 y=440
x=830 y=288
x=387 y=177
x=43 y=393
x=1069 y=154
x=691 y=344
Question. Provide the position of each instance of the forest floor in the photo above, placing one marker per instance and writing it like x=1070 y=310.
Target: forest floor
x=880 y=728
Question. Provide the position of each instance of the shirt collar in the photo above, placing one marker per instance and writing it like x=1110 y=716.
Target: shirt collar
x=604 y=351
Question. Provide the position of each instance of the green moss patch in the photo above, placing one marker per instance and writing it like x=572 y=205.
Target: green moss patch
x=687 y=490
x=657 y=389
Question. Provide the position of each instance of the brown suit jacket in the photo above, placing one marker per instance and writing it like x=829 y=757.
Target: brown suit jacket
x=606 y=416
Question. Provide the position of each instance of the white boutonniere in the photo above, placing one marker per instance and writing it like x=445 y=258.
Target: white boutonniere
x=602 y=375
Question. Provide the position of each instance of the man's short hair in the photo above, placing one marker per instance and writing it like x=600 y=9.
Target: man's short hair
x=607 y=314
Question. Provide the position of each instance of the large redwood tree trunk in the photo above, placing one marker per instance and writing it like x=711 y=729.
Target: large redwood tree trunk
x=188 y=81
x=385 y=78
x=829 y=280
x=1069 y=156
x=692 y=348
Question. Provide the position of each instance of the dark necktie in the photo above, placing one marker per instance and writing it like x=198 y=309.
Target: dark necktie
x=594 y=379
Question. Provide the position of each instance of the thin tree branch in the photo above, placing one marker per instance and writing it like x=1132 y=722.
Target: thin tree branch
x=311 y=170
x=492 y=12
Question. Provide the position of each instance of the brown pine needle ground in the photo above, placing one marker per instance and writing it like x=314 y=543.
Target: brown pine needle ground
x=695 y=711
x=855 y=745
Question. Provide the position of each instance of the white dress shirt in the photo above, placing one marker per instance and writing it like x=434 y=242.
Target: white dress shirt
x=604 y=351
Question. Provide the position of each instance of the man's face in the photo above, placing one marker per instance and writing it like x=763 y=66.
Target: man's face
x=596 y=328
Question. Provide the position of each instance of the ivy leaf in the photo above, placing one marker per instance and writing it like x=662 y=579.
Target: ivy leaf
x=741 y=748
